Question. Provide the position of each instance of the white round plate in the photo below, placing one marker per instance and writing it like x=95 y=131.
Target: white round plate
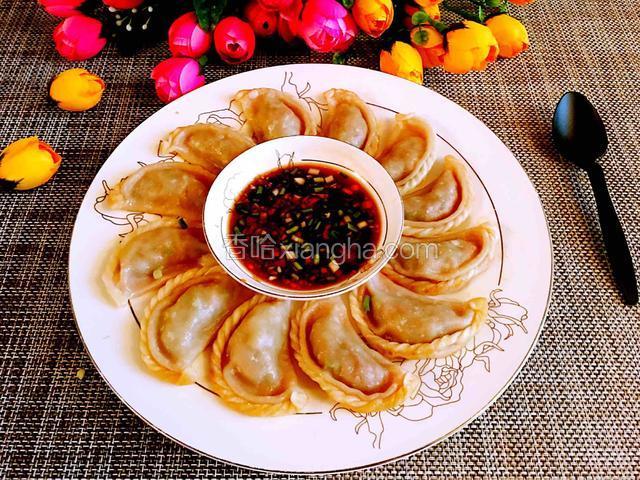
x=454 y=390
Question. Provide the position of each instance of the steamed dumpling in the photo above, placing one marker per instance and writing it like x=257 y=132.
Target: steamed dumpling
x=439 y=204
x=270 y=113
x=252 y=365
x=407 y=152
x=330 y=352
x=443 y=263
x=152 y=254
x=209 y=145
x=400 y=323
x=168 y=188
x=350 y=120
x=181 y=320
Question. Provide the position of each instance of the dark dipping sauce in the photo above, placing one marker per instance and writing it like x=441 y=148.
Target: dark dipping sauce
x=304 y=227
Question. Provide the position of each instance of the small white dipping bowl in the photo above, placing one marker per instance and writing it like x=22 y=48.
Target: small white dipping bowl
x=287 y=151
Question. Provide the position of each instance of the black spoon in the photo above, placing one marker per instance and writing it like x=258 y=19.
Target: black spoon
x=581 y=138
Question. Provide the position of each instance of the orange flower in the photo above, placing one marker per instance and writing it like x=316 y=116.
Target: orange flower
x=430 y=45
x=510 y=33
x=403 y=61
x=76 y=90
x=433 y=11
x=373 y=16
x=26 y=164
x=429 y=3
x=470 y=46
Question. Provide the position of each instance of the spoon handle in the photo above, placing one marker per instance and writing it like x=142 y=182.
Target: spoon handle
x=614 y=240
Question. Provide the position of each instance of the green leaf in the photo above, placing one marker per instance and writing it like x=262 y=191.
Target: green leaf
x=420 y=36
x=209 y=12
x=203 y=60
x=419 y=18
x=339 y=58
x=347 y=3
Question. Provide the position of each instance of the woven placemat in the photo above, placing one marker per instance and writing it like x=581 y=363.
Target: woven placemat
x=573 y=411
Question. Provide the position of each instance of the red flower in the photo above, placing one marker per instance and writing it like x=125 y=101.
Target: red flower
x=187 y=39
x=264 y=22
x=79 y=37
x=277 y=5
x=326 y=26
x=176 y=76
x=123 y=4
x=234 y=40
x=61 y=8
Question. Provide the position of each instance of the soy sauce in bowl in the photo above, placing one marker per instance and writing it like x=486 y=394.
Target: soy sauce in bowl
x=305 y=226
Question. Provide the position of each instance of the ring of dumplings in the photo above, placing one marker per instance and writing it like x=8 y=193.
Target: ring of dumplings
x=480 y=241
x=443 y=203
x=398 y=384
x=290 y=400
x=438 y=347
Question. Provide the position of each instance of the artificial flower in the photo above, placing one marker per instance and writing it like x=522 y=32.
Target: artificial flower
x=27 y=164
x=264 y=22
x=511 y=35
x=176 y=76
x=430 y=45
x=470 y=46
x=288 y=21
x=61 y=8
x=373 y=16
x=123 y=4
x=277 y=5
x=433 y=11
x=76 y=90
x=79 y=37
x=326 y=26
x=402 y=61
x=187 y=38
x=234 y=40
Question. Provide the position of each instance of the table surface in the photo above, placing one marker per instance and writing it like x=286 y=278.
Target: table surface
x=573 y=410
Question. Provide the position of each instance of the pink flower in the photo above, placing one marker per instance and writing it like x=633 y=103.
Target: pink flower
x=278 y=5
x=234 y=40
x=326 y=26
x=79 y=37
x=288 y=20
x=187 y=39
x=122 y=4
x=61 y=8
x=264 y=22
x=176 y=76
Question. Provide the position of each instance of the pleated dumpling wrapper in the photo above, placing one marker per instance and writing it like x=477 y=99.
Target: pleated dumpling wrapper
x=252 y=362
x=211 y=146
x=443 y=263
x=350 y=120
x=439 y=204
x=331 y=353
x=408 y=151
x=402 y=324
x=153 y=254
x=167 y=188
x=181 y=320
x=270 y=113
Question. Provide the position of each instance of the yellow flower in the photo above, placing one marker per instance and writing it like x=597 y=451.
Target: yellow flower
x=76 y=90
x=428 y=3
x=26 y=164
x=430 y=45
x=403 y=61
x=470 y=46
x=510 y=33
x=373 y=16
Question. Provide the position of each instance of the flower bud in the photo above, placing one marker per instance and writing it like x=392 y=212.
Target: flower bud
x=187 y=38
x=234 y=40
x=61 y=8
x=76 y=90
x=176 y=76
x=326 y=26
x=123 y=4
x=79 y=37
x=373 y=16
x=263 y=22
x=402 y=61
x=471 y=46
x=276 y=5
x=511 y=35
x=430 y=45
x=27 y=164
x=288 y=21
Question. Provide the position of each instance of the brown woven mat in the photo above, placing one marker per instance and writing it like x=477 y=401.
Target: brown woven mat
x=574 y=409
